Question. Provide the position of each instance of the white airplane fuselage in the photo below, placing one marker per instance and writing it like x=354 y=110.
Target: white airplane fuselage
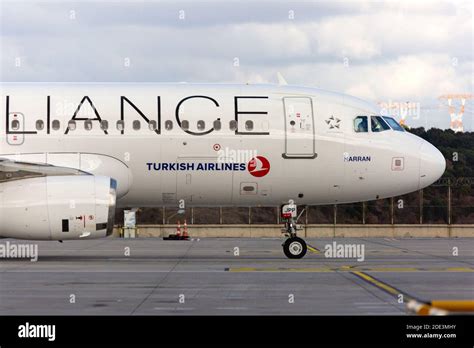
x=162 y=143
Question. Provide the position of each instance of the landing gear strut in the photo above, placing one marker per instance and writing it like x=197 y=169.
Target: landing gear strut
x=294 y=247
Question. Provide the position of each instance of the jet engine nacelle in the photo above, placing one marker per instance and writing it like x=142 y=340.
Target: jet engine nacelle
x=57 y=207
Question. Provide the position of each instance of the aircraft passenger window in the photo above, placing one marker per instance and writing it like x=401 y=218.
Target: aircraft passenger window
x=15 y=125
x=120 y=125
x=217 y=125
x=233 y=125
x=71 y=125
x=88 y=125
x=152 y=125
x=185 y=124
x=169 y=125
x=394 y=124
x=136 y=125
x=249 y=125
x=104 y=125
x=56 y=124
x=39 y=125
x=378 y=124
x=201 y=125
x=360 y=124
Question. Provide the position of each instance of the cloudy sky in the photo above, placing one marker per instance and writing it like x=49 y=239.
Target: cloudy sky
x=398 y=51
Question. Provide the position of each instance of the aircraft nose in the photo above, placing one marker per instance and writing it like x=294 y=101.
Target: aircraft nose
x=432 y=164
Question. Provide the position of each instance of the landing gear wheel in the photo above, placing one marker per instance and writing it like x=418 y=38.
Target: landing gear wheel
x=295 y=248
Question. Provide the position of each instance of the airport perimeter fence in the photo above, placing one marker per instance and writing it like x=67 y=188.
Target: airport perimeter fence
x=448 y=201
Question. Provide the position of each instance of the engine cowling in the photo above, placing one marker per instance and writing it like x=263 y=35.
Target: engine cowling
x=58 y=207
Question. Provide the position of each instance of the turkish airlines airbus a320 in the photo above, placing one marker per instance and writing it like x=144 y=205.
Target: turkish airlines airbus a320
x=71 y=153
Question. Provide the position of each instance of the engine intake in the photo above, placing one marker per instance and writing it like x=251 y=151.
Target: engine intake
x=58 y=207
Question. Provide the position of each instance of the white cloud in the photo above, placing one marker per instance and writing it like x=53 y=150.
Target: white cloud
x=394 y=49
x=345 y=37
x=414 y=77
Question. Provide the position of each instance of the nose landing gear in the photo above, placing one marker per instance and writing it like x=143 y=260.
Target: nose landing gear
x=294 y=247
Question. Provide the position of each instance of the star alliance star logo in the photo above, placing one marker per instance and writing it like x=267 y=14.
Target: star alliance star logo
x=333 y=122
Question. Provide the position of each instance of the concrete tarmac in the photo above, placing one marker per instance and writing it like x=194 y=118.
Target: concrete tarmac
x=232 y=276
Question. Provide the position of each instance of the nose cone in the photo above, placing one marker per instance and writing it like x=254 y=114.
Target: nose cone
x=432 y=164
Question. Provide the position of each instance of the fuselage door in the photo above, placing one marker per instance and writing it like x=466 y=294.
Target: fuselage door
x=299 y=128
x=16 y=126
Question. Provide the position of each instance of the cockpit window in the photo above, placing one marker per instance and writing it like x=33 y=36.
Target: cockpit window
x=378 y=124
x=394 y=124
x=361 y=124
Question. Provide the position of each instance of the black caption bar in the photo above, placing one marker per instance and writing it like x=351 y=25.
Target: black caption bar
x=291 y=330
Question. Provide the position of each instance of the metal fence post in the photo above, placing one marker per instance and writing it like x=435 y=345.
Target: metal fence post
x=421 y=206
x=364 y=205
x=392 y=220
x=449 y=201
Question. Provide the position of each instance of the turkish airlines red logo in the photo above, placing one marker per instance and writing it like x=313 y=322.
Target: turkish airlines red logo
x=258 y=166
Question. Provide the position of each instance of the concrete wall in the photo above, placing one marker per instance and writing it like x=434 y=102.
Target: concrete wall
x=312 y=231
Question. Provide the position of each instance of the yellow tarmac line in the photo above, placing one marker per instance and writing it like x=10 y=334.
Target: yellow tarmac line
x=414 y=269
x=383 y=286
x=270 y=269
x=420 y=307
x=313 y=249
x=460 y=269
x=348 y=269
x=377 y=283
